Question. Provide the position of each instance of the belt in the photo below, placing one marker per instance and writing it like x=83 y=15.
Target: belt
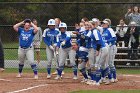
x=25 y=47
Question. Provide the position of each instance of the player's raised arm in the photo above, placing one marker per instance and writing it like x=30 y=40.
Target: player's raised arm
x=16 y=26
x=35 y=27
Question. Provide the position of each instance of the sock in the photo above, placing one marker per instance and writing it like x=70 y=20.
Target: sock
x=107 y=73
x=20 y=68
x=34 y=68
x=60 y=69
x=59 y=72
x=102 y=73
x=49 y=69
x=75 y=70
x=113 y=72
x=83 y=71
x=98 y=75
x=89 y=73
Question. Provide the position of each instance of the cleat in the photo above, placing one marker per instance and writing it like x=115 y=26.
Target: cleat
x=2 y=69
x=107 y=82
x=75 y=77
x=112 y=80
x=57 y=77
x=36 y=77
x=90 y=82
x=48 y=76
x=104 y=80
x=115 y=80
x=63 y=72
x=55 y=73
x=19 y=75
x=84 y=80
x=97 y=84
x=100 y=81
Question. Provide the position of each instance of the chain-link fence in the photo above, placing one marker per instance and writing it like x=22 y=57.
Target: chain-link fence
x=69 y=12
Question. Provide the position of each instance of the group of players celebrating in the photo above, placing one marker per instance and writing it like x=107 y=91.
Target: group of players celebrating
x=94 y=47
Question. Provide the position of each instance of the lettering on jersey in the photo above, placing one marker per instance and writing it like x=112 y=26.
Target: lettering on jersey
x=62 y=38
x=25 y=37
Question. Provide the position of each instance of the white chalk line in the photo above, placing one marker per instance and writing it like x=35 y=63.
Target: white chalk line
x=29 y=88
x=5 y=80
x=131 y=76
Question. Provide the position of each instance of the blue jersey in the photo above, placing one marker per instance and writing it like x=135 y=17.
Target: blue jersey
x=25 y=37
x=85 y=42
x=50 y=36
x=96 y=38
x=82 y=53
x=109 y=36
x=64 y=37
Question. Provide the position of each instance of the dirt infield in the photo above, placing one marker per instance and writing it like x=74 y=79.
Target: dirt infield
x=10 y=84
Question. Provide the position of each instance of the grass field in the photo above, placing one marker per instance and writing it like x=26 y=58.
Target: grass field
x=12 y=54
x=107 y=91
x=69 y=70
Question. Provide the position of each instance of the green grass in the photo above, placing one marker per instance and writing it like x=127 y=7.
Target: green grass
x=12 y=54
x=29 y=70
x=107 y=91
x=69 y=70
x=128 y=71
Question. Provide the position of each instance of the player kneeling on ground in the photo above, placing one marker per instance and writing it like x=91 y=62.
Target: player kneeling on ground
x=82 y=54
x=26 y=49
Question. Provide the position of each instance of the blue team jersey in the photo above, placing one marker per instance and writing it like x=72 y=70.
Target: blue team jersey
x=85 y=42
x=82 y=53
x=96 y=38
x=50 y=36
x=64 y=37
x=25 y=37
x=109 y=36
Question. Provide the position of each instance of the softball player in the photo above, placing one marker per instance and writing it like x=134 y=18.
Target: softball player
x=37 y=40
x=50 y=39
x=109 y=38
x=26 y=49
x=65 y=49
x=82 y=54
x=101 y=54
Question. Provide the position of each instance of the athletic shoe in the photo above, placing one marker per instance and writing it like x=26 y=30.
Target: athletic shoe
x=19 y=75
x=54 y=73
x=108 y=82
x=63 y=72
x=84 y=80
x=115 y=80
x=57 y=77
x=102 y=80
x=48 y=76
x=75 y=77
x=36 y=77
x=2 y=69
x=90 y=82
x=112 y=80
x=97 y=84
